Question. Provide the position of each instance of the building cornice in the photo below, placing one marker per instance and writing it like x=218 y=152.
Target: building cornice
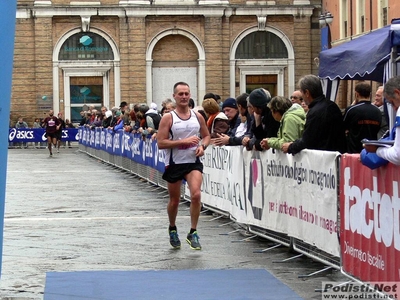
x=163 y=10
x=274 y=11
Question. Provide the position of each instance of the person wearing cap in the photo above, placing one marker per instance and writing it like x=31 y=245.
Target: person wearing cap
x=123 y=106
x=324 y=128
x=118 y=124
x=239 y=122
x=264 y=125
x=230 y=109
x=210 y=95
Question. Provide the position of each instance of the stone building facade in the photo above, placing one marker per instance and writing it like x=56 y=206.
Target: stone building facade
x=72 y=54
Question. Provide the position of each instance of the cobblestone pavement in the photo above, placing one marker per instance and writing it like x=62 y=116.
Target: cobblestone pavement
x=73 y=212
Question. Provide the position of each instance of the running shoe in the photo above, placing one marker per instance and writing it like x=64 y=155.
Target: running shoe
x=193 y=240
x=174 y=239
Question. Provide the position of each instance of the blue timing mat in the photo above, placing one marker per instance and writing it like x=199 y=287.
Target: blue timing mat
x=232 y=284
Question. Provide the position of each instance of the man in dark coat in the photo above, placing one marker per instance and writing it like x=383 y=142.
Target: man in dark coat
x=324 y=129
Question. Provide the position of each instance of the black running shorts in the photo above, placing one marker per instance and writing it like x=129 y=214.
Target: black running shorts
x=176 y=172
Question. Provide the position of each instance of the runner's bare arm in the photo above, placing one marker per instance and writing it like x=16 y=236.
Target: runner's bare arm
x=204 y=133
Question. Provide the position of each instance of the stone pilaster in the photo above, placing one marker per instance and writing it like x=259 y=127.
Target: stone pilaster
x=24 y=86
x=302 y=46
x=43 y=54
x=133 y=62
x=213 y=44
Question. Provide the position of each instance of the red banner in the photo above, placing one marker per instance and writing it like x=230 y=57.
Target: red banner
x=369 y=220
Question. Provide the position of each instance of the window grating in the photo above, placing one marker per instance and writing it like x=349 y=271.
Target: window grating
x=261 y=45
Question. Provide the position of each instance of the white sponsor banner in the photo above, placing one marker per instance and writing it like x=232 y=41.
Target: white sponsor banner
x=295 y=195
x=222 y=185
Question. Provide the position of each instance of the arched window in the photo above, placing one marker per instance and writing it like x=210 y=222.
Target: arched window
x=261 y=45
x=86 y=46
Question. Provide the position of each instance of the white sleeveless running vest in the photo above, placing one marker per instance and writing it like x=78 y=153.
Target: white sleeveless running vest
x=182 y=129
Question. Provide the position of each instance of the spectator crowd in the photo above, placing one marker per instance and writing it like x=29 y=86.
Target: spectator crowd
x=258 y=121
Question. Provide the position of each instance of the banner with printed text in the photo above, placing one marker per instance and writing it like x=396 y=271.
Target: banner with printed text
x=129 y=145
x=222 y=185
x=295 y=195
x=25 y=135
x=370 y=220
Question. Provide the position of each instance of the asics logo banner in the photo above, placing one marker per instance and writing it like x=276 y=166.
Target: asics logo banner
x=17 y=134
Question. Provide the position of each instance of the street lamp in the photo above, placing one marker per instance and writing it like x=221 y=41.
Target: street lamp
x=325 y=19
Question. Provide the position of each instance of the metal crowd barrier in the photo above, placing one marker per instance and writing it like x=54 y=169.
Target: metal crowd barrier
x=147 y=173
x=154 y=177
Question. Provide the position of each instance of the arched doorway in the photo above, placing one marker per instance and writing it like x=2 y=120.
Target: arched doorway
x=165 y=66
x=88 y=62
x=262 y=58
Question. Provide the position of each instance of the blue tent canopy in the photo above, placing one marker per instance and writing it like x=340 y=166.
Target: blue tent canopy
x=363 y=58
x=360 y=59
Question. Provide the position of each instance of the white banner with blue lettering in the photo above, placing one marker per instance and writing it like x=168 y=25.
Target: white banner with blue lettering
x=19 y=135
x=296 y=195
x=222 y=185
